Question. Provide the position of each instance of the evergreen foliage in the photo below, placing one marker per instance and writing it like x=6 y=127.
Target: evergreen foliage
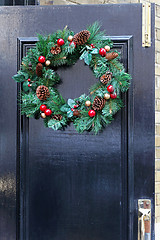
x=69 y=54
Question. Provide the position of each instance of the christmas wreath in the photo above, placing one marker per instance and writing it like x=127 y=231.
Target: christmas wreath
x=38 y=76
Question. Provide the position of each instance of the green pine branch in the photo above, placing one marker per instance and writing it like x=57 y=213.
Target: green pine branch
x=30 y=104
x=111 y=107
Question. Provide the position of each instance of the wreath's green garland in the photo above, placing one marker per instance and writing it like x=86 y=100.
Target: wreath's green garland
x=30 y=103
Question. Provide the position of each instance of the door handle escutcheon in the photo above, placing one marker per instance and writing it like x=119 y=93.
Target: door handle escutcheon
x=144 y=219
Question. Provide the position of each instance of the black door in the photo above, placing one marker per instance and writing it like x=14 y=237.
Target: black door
x=17 y=2
x=63 y=185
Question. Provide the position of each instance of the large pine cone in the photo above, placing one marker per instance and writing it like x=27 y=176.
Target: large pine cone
x=39 y=68
x=98 y=103
x=81 y=37
x=55 y=50
x=57 y=117
x=106 y=78
x=111 y=55
x=42 y=92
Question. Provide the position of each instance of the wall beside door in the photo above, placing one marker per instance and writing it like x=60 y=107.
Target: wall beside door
x=157 y=85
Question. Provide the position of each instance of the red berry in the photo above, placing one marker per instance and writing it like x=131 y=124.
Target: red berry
x=72 y=43
x=113 y=95
x=110 y=88
x=72 y=109
x=29 y=85
x=43 y=107
x=48 y=112
x=91 y=113
x=29 y=79
x=41 y=59
x=92 y=45
x=102 y=52
x=76 y=106
x=60 y=41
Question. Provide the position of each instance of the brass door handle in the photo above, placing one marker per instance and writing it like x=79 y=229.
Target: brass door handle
x=144 y=219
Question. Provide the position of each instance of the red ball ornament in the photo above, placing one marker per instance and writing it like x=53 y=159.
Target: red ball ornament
x=91 y=113
x=43 y=107
x=92 y=45
x=113 y=95
x=48 y=112
x=42 y=59
x=60 y=41
x=110 y=88
x=29 y=85
x=72 y=43
x=102 y=52
x=29 y=79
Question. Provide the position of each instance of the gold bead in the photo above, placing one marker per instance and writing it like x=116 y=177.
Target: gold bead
x=43 y=115
x=106 y=96
x=70 y=38
x=48 y=63
x=107 y=48
x=88 y=103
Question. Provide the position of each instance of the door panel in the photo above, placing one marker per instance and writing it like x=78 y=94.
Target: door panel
x=80 y=184
x=72 y=186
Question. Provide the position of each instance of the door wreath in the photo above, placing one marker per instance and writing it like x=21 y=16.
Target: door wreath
x=38 y=76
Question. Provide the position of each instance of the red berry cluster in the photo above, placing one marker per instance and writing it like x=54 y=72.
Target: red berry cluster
x=110 y=89
x=75 y=106
x=46 y=110
x=29 y=85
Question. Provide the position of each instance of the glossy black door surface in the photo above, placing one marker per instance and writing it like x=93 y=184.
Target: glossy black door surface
x=17 y=2
x=72 y=186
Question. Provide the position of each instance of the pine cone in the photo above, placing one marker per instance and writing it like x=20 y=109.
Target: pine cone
x=42 y=92
x=106 y=78
x=98 y=103
x=81 y=37
x=76 y=113
x=57 y=117
x=111 y=55
x=56 y=50
x=39 y=68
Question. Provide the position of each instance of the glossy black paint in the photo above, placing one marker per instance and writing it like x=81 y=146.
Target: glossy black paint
x=72 y=186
